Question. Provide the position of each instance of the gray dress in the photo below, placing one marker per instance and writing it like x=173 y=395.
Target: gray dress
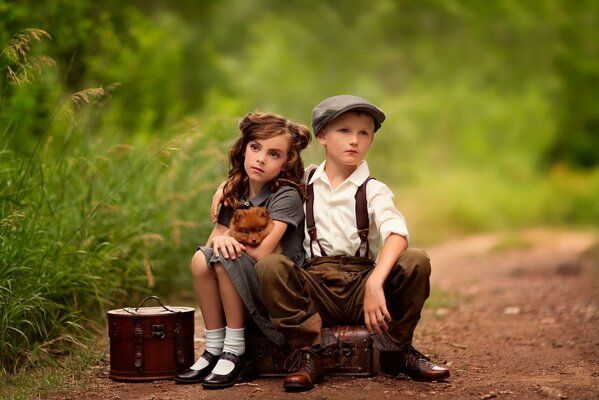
x=284 y=205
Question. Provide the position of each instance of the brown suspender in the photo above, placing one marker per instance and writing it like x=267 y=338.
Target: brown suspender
x=362 y=220
x=310 y=224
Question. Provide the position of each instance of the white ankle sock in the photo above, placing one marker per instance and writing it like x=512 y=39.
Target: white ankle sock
x=215 y=339
x=234 y=343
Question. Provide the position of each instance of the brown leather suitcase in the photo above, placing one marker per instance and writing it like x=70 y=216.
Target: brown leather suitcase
x=347 y=351
x=150 y=343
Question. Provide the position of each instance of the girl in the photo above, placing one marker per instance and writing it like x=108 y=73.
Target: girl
x=265 y=170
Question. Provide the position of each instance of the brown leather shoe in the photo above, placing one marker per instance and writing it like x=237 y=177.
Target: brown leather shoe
x=304 y=370
x=413 y=364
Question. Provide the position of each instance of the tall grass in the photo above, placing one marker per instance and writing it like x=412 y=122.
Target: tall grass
x=95 y=227
x=88 y=224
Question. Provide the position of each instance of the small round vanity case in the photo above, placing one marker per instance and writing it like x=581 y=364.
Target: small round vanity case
x=150 y=343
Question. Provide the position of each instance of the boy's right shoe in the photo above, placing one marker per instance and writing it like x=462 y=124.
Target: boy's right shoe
x=304 y=369
x=413 y=364
x=197 y=375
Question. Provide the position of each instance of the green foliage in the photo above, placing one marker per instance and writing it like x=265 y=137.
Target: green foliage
x=85 y=225
x=92 y=228
x=577 y=142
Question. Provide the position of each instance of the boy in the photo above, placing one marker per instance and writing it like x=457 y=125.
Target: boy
x=340 y=283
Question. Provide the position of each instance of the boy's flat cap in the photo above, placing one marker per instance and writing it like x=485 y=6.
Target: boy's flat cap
x=332 y=107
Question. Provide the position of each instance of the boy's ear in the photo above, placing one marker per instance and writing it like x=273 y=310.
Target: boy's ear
x=321 y=136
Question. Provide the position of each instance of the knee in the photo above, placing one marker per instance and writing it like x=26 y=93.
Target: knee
x=219 y=270
x=199 y=266
x=272 y=268
x=413 y=263
x=421 y=261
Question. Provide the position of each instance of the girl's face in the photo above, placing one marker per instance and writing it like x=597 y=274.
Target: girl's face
x=264 y=160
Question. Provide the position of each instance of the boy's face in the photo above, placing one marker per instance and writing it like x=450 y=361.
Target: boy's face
x=347 y=138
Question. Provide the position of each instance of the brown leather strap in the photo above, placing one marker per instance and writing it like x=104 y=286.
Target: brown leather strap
x=310 y=223
x=138 y=337
x=179 y=346
x=362 y=220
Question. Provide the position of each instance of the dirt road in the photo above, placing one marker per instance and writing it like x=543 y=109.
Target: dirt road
x=518 y=318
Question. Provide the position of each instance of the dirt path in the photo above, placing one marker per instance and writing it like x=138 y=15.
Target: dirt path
x=522 y=322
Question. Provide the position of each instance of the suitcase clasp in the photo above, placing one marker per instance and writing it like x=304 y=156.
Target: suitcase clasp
x=347 y=349
x=139 y=334
x=158 y=331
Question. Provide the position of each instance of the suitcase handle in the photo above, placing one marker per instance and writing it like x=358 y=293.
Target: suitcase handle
x=155 y=298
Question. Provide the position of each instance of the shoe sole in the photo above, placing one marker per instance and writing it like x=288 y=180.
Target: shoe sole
x=242 y=376
x=214 y=386
x=296 y=387
x=417 y=378
x=185 y=382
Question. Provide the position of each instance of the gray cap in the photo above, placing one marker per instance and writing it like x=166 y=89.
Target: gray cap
x=332 y=107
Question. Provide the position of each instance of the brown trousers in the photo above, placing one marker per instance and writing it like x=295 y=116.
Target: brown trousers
x=330 y=291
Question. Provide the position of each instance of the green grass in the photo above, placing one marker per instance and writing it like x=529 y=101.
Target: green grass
x=439 y=299
x=62 y=373
x=95 y=227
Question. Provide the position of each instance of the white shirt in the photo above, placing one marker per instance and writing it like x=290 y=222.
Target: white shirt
x=335 y=215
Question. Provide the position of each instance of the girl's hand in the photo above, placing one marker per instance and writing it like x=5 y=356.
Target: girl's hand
x=376 y=314
x=218 y=198
x=227 y=246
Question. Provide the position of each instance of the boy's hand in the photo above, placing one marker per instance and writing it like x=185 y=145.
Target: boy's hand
x=376 y=314
x=218 y=198
x=227 y=246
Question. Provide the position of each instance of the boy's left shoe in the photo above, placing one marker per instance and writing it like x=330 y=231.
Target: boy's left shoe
x=413 y=364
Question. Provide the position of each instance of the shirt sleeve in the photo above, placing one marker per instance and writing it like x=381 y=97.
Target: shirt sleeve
x=285 y=205
x=386 y=216
x=224 y=215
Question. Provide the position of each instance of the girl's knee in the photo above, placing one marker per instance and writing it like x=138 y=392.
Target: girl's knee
x=219 y=270
x=199 y=266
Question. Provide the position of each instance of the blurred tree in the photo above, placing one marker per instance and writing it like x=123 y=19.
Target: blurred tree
x=577 y=99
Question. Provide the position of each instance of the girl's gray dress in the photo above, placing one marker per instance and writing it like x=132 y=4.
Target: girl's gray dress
x=284 y=205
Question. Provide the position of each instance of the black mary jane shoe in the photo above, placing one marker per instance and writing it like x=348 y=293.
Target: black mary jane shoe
x=215 y=381
x=197 y=375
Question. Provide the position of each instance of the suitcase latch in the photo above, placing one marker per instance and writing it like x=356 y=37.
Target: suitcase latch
x=347 y=349
x=158 y=331
x=139 y=336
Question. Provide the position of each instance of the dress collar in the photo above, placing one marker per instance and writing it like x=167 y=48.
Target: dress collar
x=258 y=199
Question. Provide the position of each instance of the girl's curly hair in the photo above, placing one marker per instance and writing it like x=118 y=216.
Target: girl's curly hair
x=260 y=126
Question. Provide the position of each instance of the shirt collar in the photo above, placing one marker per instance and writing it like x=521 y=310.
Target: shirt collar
x=357 y=177
x=360 y=174
x=261 y=197
x=319 y=173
